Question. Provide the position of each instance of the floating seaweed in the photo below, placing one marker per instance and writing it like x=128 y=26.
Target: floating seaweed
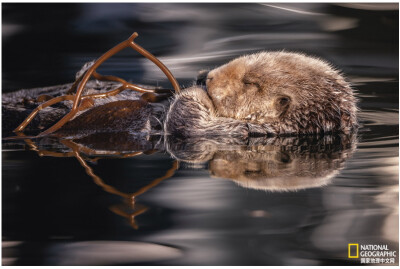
x=83 y=102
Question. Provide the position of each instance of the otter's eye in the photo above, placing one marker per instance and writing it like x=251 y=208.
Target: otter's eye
x=283 y=101
x=251 y=84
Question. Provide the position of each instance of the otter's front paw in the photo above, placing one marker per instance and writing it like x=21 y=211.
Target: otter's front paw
x=260 y=130
x=189 y=114
x=192 y=114
x=242 y=131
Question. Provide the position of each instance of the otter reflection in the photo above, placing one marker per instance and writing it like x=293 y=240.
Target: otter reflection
x=263 y=163
x=273 y=164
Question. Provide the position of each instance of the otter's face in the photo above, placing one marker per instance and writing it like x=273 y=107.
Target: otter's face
x=290 y=92
x=241 y=90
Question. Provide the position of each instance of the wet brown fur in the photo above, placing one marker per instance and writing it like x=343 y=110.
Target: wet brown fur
x=130 y=115
x=277 y=93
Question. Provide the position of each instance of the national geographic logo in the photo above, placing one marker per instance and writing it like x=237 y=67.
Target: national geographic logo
x=377 y=254
x=353 y=251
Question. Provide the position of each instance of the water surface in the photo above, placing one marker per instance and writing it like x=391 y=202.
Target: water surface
x=201 y=202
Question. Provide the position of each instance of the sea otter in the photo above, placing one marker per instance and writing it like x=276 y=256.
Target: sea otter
x=267 y=93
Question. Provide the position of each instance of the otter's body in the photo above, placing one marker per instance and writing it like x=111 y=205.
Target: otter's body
x=268 y=93
x=277 y=93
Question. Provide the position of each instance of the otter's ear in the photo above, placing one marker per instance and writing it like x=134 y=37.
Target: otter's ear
x=282 y=103
x=201 y=77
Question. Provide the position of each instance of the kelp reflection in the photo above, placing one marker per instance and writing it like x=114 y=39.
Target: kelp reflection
x=110 y=145
x=263 y=163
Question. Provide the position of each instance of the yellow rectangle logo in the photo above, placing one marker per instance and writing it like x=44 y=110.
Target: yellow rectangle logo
x=353 y=249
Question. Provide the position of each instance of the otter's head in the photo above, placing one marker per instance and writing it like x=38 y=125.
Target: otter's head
x=290 y=92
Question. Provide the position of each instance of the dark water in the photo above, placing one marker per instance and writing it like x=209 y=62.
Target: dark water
x=259 y=202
